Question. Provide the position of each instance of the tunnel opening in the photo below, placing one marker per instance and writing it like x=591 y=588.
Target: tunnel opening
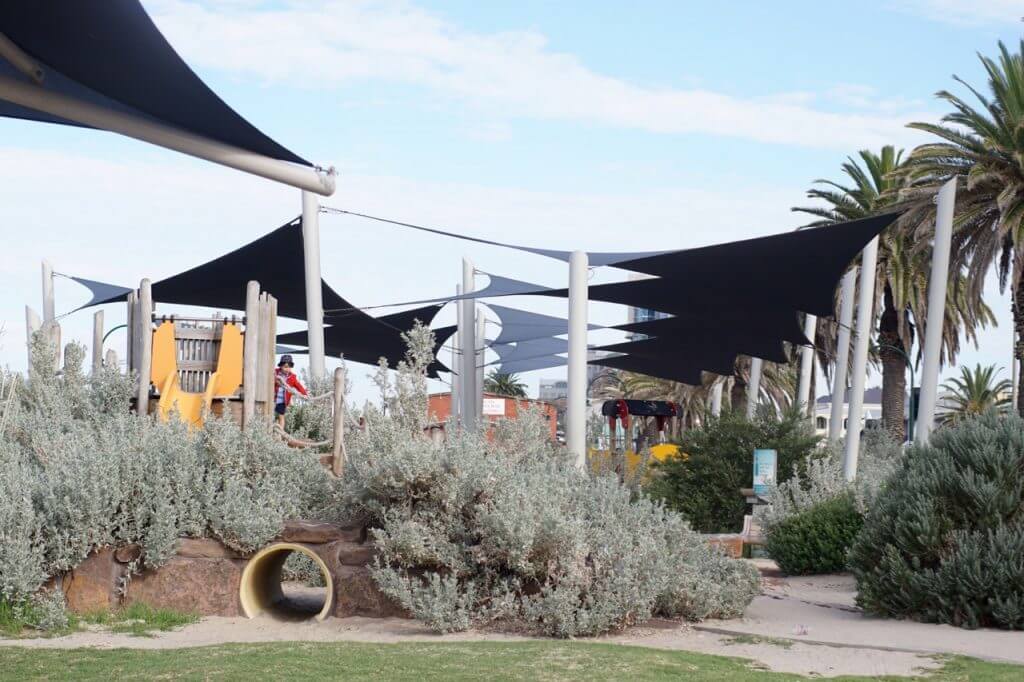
x=286 y=590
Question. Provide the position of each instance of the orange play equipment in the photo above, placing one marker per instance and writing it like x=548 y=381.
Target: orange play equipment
x=193 y=365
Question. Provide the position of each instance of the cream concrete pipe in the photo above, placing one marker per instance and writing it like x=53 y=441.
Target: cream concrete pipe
x=260 y=590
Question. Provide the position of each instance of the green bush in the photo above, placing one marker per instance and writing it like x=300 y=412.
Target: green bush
x=704 y=486
x=816 y=540
x=944 y=541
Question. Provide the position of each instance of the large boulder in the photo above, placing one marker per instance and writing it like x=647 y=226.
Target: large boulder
x=205 y=548
x=206 y=586
x=319 y=532
x=94 y=584
x=355 y=594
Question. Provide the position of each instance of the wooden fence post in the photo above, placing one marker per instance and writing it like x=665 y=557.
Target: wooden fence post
x=250 y=351
x=145 y=325
x=338 y=449
x=32 y=325
x=97 y=341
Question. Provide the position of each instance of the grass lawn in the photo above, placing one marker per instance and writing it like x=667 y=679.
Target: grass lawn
x=414 y=661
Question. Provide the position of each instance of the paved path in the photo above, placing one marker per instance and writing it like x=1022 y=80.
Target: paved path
x=821 y=610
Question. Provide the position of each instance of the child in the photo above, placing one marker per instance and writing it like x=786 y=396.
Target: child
x=284 y=376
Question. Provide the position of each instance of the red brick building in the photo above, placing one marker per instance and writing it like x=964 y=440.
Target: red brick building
x=495 y=407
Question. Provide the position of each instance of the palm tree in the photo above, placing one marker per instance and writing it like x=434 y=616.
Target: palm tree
x=901 y=275
x=504 y=383
x=872 y=190
x=973 y=392
x=983 y=149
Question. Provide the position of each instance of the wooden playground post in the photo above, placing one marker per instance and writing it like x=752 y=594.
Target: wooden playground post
x=338 y=449
x=144 y=323
x=97 y=341
x=111 y=358
x=32 y=325
x=250 y=351
x=130 y=350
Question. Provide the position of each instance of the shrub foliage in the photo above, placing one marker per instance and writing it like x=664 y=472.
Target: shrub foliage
x=473 y=529
x=705 y=486
x=944 y=541
x=818 y=539
x=79 y=471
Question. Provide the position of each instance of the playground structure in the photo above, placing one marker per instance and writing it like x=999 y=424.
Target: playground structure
x=199 y=365
x=625 y=421
x=192 y=367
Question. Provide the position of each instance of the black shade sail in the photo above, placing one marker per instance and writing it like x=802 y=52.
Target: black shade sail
x=110 y=53
x=276 y=261
x=356 y=347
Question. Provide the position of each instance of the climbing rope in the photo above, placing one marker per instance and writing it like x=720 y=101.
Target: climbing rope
x=292 y=440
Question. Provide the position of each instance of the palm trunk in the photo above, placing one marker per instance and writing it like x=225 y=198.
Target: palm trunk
x=738 y=393
x=894 y=368
x=1018 y=350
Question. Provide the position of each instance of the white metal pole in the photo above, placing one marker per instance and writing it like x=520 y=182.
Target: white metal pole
x=456 y=340
x=865 y=320
x=849 y=289
x=803 y=397
x=314 y=291
x=479 y=358
x=576 y=401
x=467 y=344
x=49 y=313
x=716 y=398
x=754 y=386
x=56 y=104
x=937 y=287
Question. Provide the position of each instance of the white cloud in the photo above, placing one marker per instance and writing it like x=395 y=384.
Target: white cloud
x=965 y=12
x=331 y=44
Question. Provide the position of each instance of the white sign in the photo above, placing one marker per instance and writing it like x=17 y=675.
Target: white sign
x=494 y=407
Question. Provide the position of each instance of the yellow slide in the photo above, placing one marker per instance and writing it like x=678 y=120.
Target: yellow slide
x=192 y=407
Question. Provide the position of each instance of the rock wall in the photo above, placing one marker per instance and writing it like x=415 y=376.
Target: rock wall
x=204 y=576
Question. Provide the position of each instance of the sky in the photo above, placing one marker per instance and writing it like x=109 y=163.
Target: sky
x=571 y=125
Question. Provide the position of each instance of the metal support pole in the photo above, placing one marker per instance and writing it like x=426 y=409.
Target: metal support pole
x=849 y=289
x=803 y=393
x=49 y=314
x=97 y=341
x=467 y=338
x=51 y=102
x=865 y=318
x=754 y=387
x=479 y=358
x=314 y=291
x=716 y=398
x=937 y=287
x=456 y=340
x=576 y=402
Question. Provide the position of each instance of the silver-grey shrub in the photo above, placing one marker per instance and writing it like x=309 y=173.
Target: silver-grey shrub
x=79 y=471
x=472 y=529
x=820 y=478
